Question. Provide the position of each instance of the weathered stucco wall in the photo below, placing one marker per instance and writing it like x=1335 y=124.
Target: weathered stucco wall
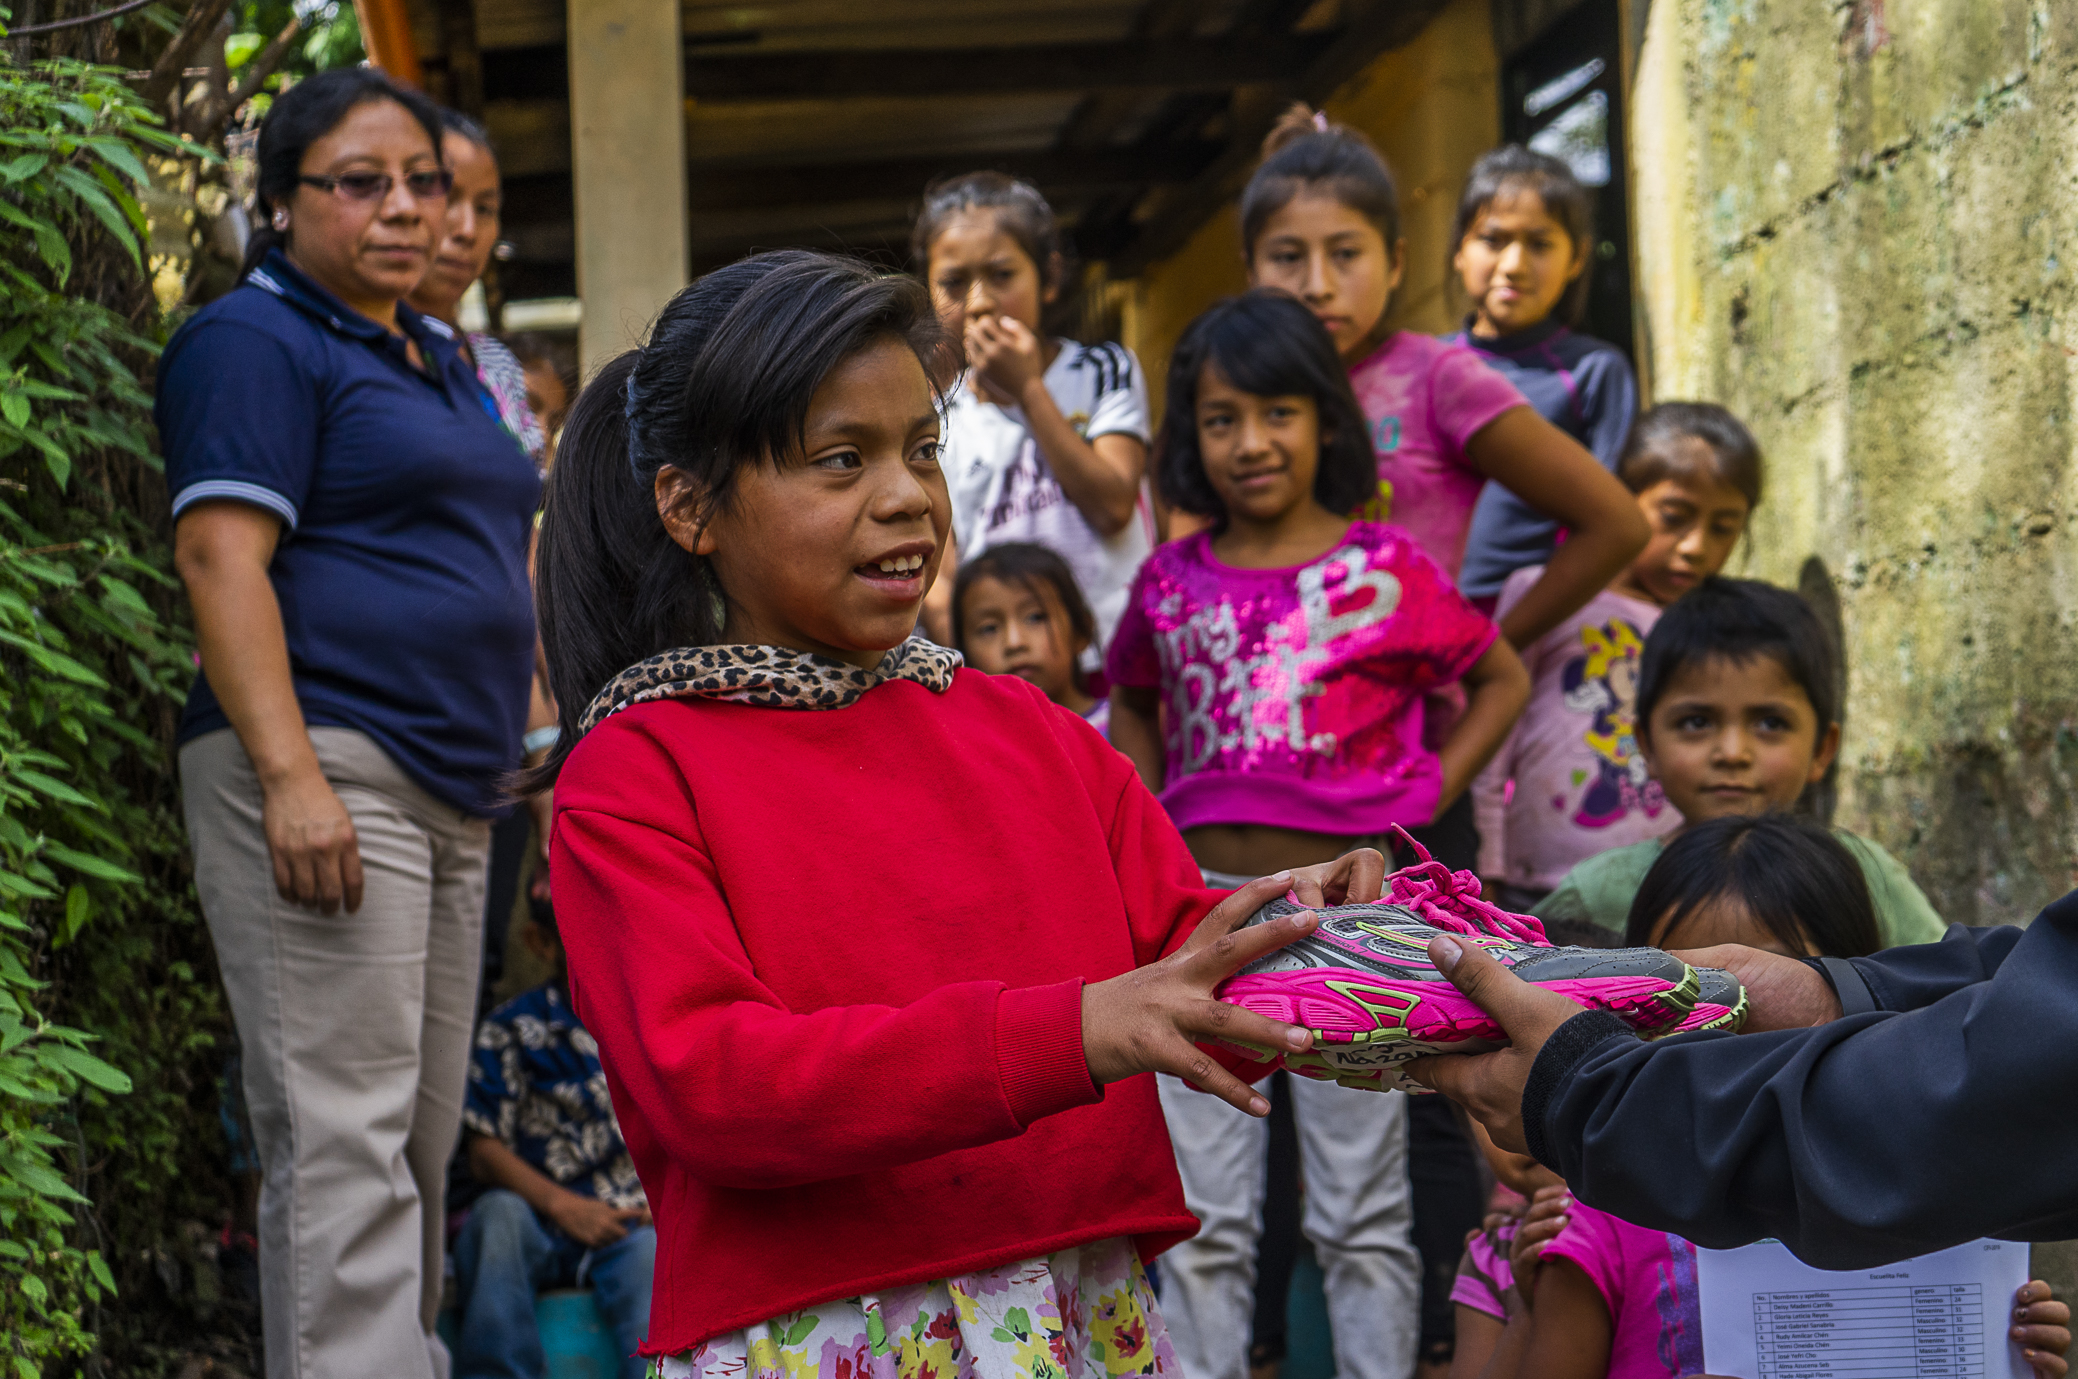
x=1858 y=227
x=1432 y=109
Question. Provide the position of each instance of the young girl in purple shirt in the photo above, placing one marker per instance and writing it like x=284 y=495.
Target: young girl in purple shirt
x=1292 y=644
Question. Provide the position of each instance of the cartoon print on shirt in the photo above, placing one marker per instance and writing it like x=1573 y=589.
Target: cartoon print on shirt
x=1385 y=439
x=1265 y=696
x=1603 y=684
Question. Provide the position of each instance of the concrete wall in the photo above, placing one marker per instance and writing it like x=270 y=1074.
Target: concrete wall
x=1856 y=228
x=1432 y=108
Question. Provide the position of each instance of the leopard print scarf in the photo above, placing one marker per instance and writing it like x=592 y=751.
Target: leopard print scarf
x=771 y=677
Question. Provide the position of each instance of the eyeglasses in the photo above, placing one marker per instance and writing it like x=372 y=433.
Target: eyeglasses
x=372 y=186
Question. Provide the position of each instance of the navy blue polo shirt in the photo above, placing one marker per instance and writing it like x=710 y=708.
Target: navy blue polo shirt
x=1579 y=384
x=405 y=508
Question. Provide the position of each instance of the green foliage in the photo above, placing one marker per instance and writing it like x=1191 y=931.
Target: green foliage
x=330 y=37
x=92 y=666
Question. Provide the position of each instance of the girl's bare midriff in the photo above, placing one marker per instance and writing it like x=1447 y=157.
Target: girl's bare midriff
x=1260 y=849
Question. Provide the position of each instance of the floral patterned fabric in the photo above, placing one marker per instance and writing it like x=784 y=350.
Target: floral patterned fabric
x=535 y=1085
x=505 y=379
x=1085 y=1313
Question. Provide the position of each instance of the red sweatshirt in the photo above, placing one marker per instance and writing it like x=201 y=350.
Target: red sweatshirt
x=834 y=963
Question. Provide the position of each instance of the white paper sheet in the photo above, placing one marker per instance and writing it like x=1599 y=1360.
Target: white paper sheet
x=1766 y=1315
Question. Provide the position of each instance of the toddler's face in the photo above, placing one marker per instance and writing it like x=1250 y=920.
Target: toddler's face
x=1333 y=260
x=830 y=550
x=1260 y=453
x=1731 y=738
x=1694 y=526
x=1516 y=262
x=977 y=270
x=1021 y=630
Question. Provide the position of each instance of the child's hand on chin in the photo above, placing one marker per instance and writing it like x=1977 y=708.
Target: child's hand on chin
x=2041 y=1328
x=1153 y=1018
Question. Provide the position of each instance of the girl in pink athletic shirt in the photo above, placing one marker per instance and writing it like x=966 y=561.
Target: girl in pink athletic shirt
x=1292 y=645
x=1570 y=781
x=1320 y=219
x=1552 y=1288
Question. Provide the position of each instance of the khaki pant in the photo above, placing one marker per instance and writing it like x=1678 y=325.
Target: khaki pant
x=356 y=1029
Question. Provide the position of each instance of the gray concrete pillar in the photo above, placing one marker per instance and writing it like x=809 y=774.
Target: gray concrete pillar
x=627 y=158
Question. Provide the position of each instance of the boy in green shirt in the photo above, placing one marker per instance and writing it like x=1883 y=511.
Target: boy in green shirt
x=1737 y=713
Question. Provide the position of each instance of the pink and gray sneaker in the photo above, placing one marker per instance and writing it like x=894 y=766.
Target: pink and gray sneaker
x=1363 y=983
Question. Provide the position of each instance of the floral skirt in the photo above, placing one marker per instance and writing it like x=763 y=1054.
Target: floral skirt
x=1085 y=1313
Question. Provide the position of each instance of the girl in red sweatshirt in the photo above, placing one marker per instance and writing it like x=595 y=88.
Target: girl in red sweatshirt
x=875 y=948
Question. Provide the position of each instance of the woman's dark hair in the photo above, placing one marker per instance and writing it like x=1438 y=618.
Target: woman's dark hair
x=1654 y=451
x=1027 y=566
x=1736 y=620
x=1512 y=170
x=723 y=383
x=1305 y=153
x=302 y=115
x=1793 y=876
x=1264 y=343
x=1021 y=213
x=469 y=127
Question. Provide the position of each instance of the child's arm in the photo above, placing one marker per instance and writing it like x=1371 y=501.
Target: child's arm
x=1478 y=1341
x=1554 y=474
x=587 y=1220
x=1568 y=1329
x=2041 y=1328
x=1136 y=731
x=1101 y=477
x=1496 y=688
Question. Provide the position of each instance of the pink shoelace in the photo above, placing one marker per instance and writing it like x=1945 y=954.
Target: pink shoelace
x=1451 y=900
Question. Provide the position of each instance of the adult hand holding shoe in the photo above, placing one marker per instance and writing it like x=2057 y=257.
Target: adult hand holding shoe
x=1489 y=1085
x=1781 y=992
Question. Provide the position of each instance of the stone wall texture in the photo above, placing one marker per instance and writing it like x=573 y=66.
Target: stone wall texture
x=1858 y=227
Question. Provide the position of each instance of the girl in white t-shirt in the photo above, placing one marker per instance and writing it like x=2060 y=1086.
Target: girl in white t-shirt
x=1045 y=439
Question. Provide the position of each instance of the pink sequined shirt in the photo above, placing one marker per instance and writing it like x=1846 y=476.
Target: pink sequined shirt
x=1295 y=694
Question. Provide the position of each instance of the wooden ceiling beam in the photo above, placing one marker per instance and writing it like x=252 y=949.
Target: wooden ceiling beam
x=1389 y=24
x=1172 y=64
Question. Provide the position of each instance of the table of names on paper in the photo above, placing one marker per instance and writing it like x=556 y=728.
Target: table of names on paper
x=1901 y=1332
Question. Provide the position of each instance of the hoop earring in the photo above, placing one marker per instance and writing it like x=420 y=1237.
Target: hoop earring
x=281 y=218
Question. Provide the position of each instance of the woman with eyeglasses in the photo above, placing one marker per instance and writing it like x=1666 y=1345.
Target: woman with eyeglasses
x=351 y=518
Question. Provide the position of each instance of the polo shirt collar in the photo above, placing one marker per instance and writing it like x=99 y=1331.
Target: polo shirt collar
x=277 y=275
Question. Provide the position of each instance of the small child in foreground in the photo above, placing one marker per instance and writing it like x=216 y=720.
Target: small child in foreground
x=1737 y=713
x=1570 y=781
x=1556 y=1289
x=1016 y=610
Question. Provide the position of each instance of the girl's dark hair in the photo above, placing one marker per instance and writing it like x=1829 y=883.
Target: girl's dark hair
x=1021 y=212
x=1512 y=170
x=469 y=127
x=302 y=115
x=1306 y=153
x=1264 y=343
x=1792 y=875
x=724 y=382
x=1027 y=566
x=1653 y=452
x=1736 y=620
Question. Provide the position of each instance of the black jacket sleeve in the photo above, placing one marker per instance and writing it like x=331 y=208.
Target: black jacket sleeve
x=1856 y=1143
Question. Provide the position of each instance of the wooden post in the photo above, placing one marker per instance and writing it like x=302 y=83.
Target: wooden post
x=627 y=155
